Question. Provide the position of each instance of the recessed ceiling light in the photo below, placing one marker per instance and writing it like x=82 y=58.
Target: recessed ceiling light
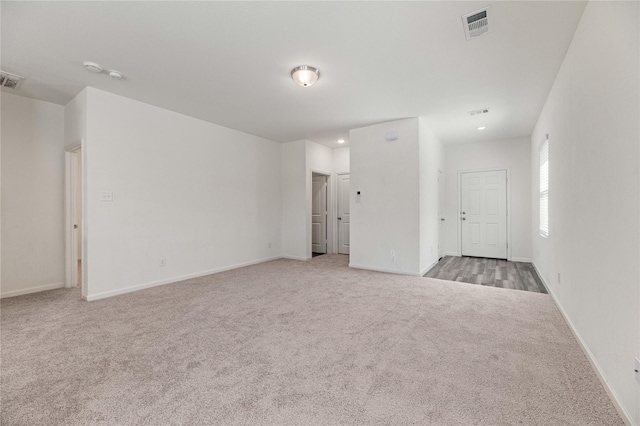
x=482 y=127
x=340 y=140
x=92 y=66
x=305 y=75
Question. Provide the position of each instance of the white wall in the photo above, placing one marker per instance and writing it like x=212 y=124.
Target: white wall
x=319 y=158
x=341 y=160
x=431 y=159
x=294 y=195
x=386 y=218
x=591 y=116
x=32 y=195
x=512 y=154
x=75 y=119
x=203 y=197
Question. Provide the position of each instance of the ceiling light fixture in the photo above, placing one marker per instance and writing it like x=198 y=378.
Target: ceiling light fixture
x=340 y=140
x=93 y=67
x=482 y=127
x=305 y=75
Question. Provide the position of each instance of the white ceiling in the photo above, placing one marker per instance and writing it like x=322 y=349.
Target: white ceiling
x=229 y=62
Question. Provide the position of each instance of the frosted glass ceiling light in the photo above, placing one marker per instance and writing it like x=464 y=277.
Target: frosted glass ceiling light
x=304 y=75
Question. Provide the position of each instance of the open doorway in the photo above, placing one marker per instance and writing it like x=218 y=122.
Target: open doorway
x=77 y=227
x=319 y=214
x=74 y=223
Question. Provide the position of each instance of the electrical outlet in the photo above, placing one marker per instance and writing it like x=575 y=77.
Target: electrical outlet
x=106 y=196
x=163 y=262
x=637 y=369
x=393 y=255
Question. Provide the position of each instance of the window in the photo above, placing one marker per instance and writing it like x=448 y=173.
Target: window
x=544 y=188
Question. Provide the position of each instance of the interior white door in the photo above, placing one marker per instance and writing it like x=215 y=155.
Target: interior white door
x=483 y=214
x=440 y=214
x=343 y=214
x=319 y=214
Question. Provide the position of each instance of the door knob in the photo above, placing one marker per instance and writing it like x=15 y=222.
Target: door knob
x=339 y=218
x=464 y=218
x=442 y=219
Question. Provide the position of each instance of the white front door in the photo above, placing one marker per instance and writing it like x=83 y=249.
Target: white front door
x=440 y=214
x=319 y=214
x=483 y=214
x=343 y=214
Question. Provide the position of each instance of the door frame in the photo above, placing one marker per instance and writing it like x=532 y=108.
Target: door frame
x=337 y=225
x=70 y=202
x=459 y=202
x=441 y=215
x=330 y=209
x=326 y=211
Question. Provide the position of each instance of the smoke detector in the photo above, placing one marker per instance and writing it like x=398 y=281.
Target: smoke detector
x=476 y=23
x=10 y=81
x=115 y=74
x=92 y=66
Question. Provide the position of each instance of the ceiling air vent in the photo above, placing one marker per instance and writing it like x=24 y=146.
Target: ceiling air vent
x=476 y=23
x=10 y=81
x=478 y=112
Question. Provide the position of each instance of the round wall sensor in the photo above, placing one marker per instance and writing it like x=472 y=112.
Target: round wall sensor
x=93 y=67
x=115 y=74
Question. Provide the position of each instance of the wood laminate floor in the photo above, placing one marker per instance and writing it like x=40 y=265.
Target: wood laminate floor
x=490 y=272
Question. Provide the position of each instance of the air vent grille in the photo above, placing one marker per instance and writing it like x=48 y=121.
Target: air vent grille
x=478 y=112
x=10 y=81
x=476 y=23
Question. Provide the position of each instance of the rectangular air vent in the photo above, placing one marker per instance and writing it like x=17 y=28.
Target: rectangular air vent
x=476 y=23
x=10 y=81
x=478 y=112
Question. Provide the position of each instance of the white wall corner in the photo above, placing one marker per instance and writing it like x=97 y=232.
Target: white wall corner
x=628 y=419
x=174 y=280
x=428 y=268
x=520 y=259
x=30 y=290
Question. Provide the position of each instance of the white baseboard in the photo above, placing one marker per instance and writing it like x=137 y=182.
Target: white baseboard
x=294 y=257
x=592 y=359
x=452 y=253
x=428 y=268
x=31 y=290
x=131 y=289
x=520 y=259
x=388 y=271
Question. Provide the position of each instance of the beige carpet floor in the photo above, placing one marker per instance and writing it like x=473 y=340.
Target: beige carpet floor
x=296 y=343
